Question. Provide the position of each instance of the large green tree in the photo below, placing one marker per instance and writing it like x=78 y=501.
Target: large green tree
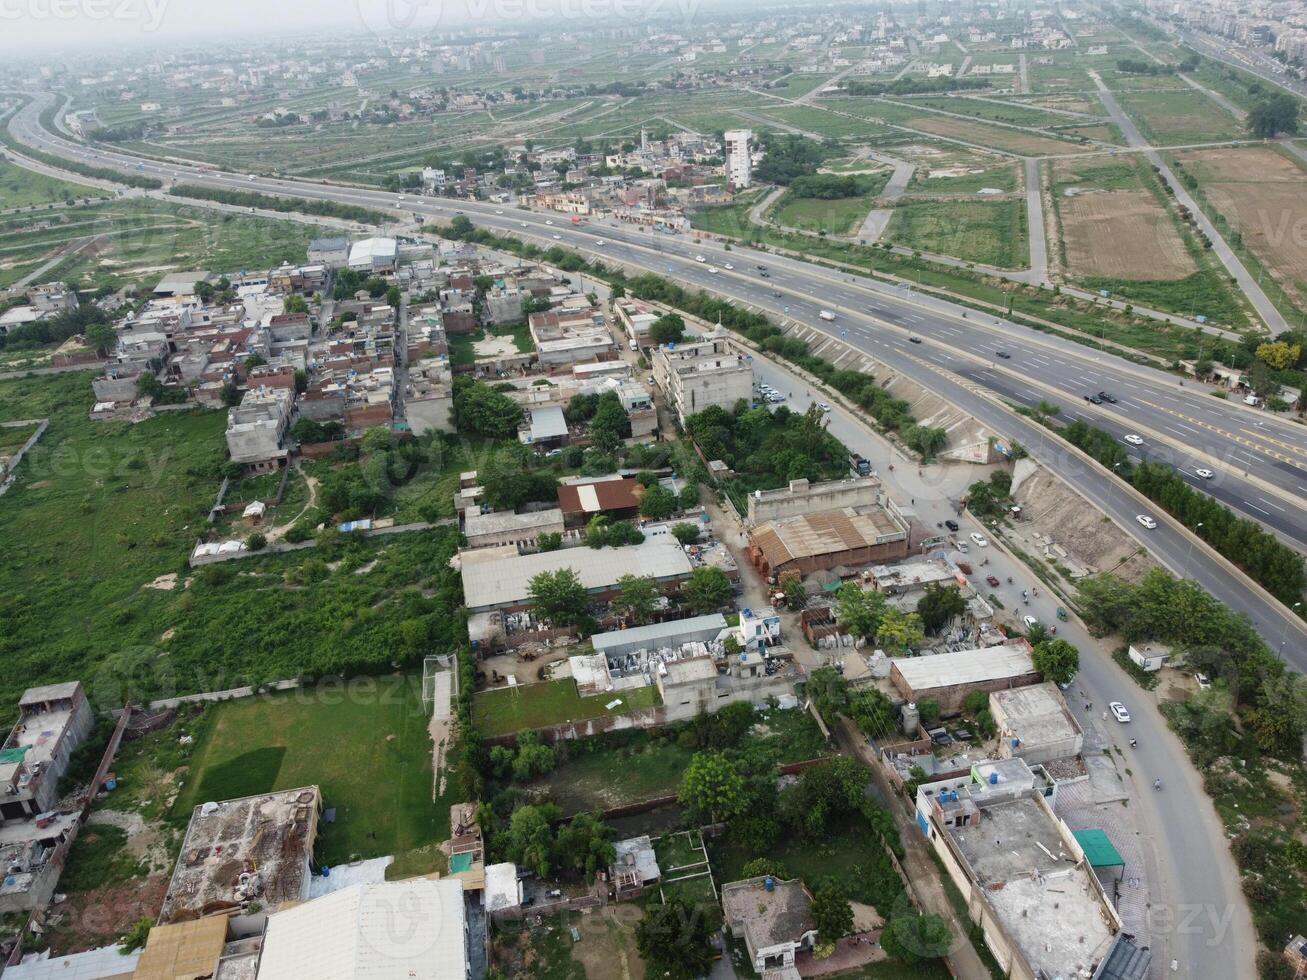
x=529 y=838
x=1274 y=114
x=939 y=605
x=637 y=599
x=1057 y=660
x=558 y=597
x=674 y=940
x=831 y=912
x=912 y=938
x=711 y=788
x=707 y=590
x=859 y=610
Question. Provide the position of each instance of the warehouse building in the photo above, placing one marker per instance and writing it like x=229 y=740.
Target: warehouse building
x=950 y=677
x=850 y=537
x=500 y=578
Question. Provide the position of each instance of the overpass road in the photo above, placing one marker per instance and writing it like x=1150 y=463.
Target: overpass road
x=1259 y=460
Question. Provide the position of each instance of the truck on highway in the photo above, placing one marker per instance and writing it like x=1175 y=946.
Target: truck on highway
x=826 y=314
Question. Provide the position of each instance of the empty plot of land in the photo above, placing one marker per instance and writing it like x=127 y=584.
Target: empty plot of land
x=1012 y=140
x=1180 y=117
x=1123 y=235
x=1263 y=195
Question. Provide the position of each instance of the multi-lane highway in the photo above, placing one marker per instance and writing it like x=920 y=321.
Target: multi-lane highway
x=1259 y=461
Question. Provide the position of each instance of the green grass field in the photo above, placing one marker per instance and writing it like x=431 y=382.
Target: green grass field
x=505 y=710
x=22 y=188
x=365 y=745
x=835 y=216
x=1172 y=117
x=989 y=232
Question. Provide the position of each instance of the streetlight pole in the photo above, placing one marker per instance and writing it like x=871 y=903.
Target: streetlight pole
x=1190 y=552
x=1285 y=634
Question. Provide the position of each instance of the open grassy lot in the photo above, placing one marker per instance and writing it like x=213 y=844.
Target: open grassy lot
x=1171 y=117
x=22 y=188
x=836 y=216
x=101 y=510
x=546 y=951
x=964 y=177
x=989 y=232
x=138 y=240
x=626 y=767
x=506 y=710
x=364 y=743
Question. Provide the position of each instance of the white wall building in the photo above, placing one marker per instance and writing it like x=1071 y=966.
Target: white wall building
x=739 y=163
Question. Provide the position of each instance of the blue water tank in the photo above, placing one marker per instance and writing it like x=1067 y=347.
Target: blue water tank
x=769 y=883
x=993 y=779
x=326 y=871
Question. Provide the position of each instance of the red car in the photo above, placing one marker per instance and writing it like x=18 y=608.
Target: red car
x=992 y=580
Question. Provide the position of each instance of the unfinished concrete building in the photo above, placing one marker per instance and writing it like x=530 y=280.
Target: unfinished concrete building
x=257 y=848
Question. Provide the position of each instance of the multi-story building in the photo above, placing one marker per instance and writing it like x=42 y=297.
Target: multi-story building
x=739 y=163
x=695 y=376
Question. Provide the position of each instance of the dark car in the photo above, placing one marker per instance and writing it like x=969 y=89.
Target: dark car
x=762 y=268
x=765 y=274
x=776 y=293
x=1093 y=399
x=951 y=525
x=1109 y=398
x=914 y=340
x=1005 y=355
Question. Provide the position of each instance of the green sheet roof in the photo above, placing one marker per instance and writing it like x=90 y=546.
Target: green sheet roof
x=1099 y=850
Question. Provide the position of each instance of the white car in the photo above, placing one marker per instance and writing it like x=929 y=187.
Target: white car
x=548 y=221
x=1030 y=621
x=823 y=406
x=1205 y=474
x=1119 y=712
x=522 y=223
x=728 y=267
x=979 y=539
x=1134 y=440
x=700 y=258
x=599 y=241
x=1203 y=681
x=712 y=269
x=497 y=211
x=1146 y=521
x=961 y=546
x=558 y=238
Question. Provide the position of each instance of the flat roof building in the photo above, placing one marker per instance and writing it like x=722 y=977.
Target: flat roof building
x=773 y=917
x=256 y=848
x=670 y=634
x=1025 y=878
x=949 y=677
x=696 y=376
x=1034 y=724
x=374 y=255
x=505 y=527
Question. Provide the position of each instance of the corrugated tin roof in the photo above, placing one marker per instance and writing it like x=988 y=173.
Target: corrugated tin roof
x=964 y=667
x=505 y=581
x=395 y=930
x=655 y=633
x=823 y=533
x=601 y=495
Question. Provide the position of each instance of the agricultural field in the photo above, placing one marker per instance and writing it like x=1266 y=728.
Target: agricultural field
x=817 y=120
x=1113 y=225
x=1180 y=116
x=1260 y=195
x=991 y=110
x=23 y=188
x=988 y=232
x=975 y=132
x=961 y=173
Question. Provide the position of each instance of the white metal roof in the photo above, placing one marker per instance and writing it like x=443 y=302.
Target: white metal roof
x=964 y=667
x=503 y=890
x=506 y=581
x=395 y=930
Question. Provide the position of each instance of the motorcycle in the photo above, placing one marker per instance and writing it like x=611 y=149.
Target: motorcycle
x=1009 y=580
x=1157 y=784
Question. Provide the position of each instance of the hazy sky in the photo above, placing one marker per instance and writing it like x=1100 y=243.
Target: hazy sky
x=47 y=27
